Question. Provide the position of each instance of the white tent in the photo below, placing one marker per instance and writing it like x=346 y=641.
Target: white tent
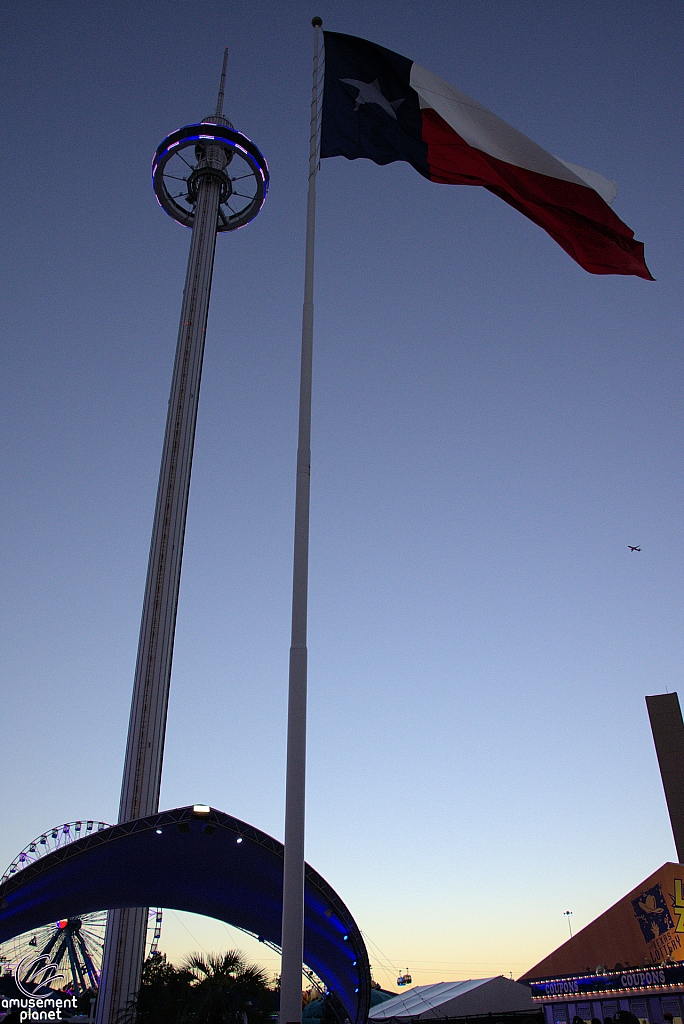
x=455 y=999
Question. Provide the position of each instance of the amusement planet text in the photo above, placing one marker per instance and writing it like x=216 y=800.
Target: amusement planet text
x=39 y=1009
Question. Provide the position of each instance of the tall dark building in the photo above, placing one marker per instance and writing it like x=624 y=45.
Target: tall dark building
x=668 y=735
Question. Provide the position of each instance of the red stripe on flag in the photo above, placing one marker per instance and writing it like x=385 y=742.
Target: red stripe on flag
x=574 y=215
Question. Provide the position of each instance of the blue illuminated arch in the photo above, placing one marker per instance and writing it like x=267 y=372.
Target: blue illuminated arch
x=210 y=864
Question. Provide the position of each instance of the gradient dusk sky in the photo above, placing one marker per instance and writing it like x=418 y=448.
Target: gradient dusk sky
x=492 y=426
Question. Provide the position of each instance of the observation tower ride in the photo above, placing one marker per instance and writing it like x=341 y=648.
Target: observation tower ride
x=210 y=178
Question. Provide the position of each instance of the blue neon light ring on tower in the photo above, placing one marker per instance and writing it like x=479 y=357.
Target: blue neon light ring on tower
x=176 y=170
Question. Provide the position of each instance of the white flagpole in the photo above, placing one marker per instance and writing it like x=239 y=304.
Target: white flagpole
x=295 y=785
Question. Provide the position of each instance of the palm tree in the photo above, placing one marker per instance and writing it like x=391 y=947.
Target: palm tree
x=227 y=989
x=165 y=993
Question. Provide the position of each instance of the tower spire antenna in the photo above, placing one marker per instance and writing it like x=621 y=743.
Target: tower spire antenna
x=219 y=101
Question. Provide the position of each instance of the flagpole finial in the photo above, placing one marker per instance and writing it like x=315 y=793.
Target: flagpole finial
x=317 y=22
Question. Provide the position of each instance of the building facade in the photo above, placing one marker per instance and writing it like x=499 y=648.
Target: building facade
x=654 y=995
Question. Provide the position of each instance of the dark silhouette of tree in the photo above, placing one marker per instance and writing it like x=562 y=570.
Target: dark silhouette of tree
x=227 y=989
x=165 y=992
x=219 y=988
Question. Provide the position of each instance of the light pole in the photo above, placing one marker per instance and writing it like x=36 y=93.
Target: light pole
x=567 y=915
x=210 y=178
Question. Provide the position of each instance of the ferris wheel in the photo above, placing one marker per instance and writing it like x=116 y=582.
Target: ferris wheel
x=74 y=944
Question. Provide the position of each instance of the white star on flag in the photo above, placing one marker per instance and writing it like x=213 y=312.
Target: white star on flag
x=370 y=92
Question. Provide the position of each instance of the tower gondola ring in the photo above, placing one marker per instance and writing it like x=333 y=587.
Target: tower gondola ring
x=180 y=162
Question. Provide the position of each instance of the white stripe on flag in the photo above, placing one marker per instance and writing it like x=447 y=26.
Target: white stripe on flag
x=483 y=130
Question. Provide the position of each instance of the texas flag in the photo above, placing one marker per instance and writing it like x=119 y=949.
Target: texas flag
x=380 y=105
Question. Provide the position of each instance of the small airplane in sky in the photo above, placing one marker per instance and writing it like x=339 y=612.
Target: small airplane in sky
x=633 y=548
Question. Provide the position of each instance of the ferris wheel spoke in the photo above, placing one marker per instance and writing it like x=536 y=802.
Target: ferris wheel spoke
x=76 y=963
x=61 y=950
x=91 y=970
x=46 y=950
